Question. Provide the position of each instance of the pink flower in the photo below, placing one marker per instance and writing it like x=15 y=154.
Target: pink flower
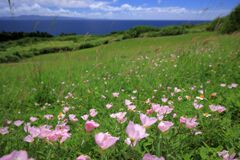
x=33 y=131
x=108 y=106
x=90 y=125
x=93 y=112
x=16 y=155
x=164 y=110
x=147 y=121
x=165 y=125
x=120 y=116
x=131 y=107
x=33 y=119
x=182 y=119
x=164 y=99
x=66 y=109
x=18 y=123
x=60 y=133
x=149 y=111
x=73 y=118
x=161 y=109
x=127 y=102
x=196 y=105
x=45 y=130
x=225 y=155
x=155 y=107
x=217 y=108
x=221 y=109
x=83 y=157
x=29 y=139
x=115 y=94
x=160 y=116
x=48 y=116
x=85 y=117
x=135 y=133
x=105 y=140
x=190 y=122
x=234 y=85
x=151 y=157
x=4 y=130
x=26 y=126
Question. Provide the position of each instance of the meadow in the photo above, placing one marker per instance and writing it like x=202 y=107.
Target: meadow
x=151 y=98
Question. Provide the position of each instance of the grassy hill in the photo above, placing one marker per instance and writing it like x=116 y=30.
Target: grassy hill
x=195 y=64
x=34 y=44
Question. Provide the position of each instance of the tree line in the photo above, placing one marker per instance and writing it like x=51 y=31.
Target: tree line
x=6 y=36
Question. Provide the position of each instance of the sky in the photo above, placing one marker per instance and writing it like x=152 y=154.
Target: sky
x=121 y=9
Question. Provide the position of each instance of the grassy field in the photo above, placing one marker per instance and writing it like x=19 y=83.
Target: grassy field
x=187 y=69
x=14 y=51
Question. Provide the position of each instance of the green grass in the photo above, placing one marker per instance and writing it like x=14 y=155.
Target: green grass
x=204 y=60
x=14 y=51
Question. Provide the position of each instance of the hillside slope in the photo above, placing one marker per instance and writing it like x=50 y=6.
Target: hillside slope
x=179 y=68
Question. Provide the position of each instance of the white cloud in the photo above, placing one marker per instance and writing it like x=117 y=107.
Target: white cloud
x=104 y=9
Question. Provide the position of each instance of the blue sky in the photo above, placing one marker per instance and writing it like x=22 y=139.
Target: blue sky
x=122 y=9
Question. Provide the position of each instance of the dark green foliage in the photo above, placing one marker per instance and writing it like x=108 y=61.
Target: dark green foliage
x=136 y=31
x=228 y=24
x=16 y=56
x=148 y=31
x=11 y=58
x=175 y=30
x=6 y=36
x=231 y=22
x=215 y=24
x=86 y=45
x=53 y=50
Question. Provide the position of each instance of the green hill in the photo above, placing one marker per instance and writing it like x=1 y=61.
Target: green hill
x=139 y=69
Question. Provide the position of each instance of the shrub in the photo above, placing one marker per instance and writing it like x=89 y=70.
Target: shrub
x=6 y=36
x=86 y=45
x=228 y=24
x=232 y=22
x=175 y=30
x=136 y=31
x=12 y=58
x=215 y=24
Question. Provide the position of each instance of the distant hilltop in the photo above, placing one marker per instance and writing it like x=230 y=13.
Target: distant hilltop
x=37 y=17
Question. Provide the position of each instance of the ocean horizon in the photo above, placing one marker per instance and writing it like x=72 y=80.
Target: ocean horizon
x=84 y=26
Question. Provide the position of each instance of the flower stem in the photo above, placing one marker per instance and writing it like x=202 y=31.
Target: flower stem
x=159 y=145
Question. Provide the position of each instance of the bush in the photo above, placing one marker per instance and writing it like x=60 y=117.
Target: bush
x=147 y=31
x=86 y=45
x=175 y=30
x=228 y=24
x=6 y=36
x=232 y=22
x=215 y=25
x=137 y=31
x=12 y=58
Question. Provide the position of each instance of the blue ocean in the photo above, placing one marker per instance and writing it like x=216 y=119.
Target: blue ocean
x=98 y=27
